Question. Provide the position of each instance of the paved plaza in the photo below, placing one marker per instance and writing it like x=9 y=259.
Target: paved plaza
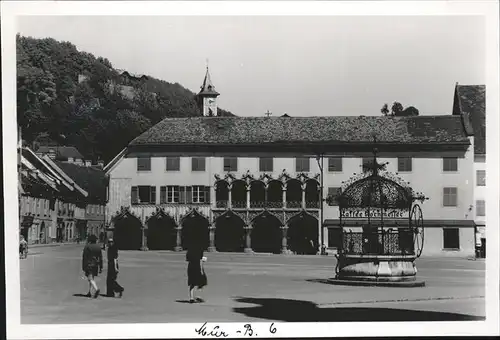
x=241 y=287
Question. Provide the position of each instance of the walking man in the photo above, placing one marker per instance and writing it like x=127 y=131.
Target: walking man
x=92 y=264
x=112 y=286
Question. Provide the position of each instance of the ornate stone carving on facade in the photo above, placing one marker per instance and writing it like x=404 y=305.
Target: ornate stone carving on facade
x=284 y=176
x=304 y=177
x=252 y=215
x=124 y=212
x=303 y=213
x=194 y=211
x=248 y=177
x=160 y=213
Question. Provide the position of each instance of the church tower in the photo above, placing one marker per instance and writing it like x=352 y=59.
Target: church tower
x=207 y=97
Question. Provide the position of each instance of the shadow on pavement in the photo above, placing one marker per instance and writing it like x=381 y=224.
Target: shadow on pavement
x=87 y=297
x=306 y=311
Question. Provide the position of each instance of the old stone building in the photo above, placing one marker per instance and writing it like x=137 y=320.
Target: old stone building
x=260 y=183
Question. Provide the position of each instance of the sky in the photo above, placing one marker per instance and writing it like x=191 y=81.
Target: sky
x=299 y=65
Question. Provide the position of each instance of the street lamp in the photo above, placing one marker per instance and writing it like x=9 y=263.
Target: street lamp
x=319 y=159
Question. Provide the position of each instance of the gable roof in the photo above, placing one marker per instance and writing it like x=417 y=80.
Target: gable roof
x=263 y=131
x=64 y=152
x=92 y=180
x=471 y=104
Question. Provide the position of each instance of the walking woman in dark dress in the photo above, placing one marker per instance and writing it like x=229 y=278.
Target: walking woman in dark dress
x=112 y=286
x=196 y=273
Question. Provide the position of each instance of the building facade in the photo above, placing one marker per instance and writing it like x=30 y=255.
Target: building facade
x=261 y=183
x=470 y=103
x=52 y=205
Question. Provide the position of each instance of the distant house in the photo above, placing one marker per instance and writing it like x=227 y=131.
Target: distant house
x=48 y=202
x=62 y=153
x=93 y=181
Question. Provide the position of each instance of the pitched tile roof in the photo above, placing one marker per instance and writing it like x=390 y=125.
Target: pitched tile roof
x=90 y=179
x=472 y=102
x=314 y=130
x=64 y=152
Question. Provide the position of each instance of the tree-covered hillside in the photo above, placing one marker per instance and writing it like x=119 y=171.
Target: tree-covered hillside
x=94 y=114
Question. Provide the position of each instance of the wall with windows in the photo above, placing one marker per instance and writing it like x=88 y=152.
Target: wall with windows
x=173 y=179
x=480 y=190
x=449 y=241
x=446 y=178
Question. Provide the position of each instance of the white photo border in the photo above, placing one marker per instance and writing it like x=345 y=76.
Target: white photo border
x=10 y=10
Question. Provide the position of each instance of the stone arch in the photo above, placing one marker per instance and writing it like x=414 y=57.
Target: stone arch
x=302 y=235
x=194 y=230
x=275 y=194
x=257 y=193
x=127 y=231
x=221 y=193
x=239 y=194
x=162 y=231
x=229 y=233
x=266 y=233
x=312 y=193
x=293 y=193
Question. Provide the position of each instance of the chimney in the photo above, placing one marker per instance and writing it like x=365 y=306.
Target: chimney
x=100 y=164
x=70 y=160
x=88 y=163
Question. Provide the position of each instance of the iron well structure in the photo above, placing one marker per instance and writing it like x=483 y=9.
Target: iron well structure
x=382 y=229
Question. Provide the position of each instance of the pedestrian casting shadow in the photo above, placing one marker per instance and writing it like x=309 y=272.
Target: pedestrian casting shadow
x=87 y=297
x=182 y=301
x=306 y=311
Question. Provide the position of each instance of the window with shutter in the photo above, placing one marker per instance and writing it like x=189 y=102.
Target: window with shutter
x=173 y=163
x=230 y=164
x=182 y=194
x=450 y=197
x=189 y=195
x=333 y=193
x=450 y=164
x=207 y=194
x=404 y=164
x=302 y=164
x=198 y=164
x=134 y=195
x=163 y=195
x=335 y=164
x=153 y=195
x=143 y=163
x=265 y=164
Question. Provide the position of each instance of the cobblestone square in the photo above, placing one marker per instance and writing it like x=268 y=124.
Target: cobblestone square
x=241 y=287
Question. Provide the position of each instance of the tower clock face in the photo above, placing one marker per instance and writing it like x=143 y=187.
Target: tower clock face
x=210 y=106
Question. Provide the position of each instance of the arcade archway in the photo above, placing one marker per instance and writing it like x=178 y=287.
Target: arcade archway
x=128 y=232
x=229 y=233
x=221 y=194
x=266 y=234
x=303 y=234
x=293 y=194
x=257 y=194
x=239 y=194
x=195 y=232
x=275 y=194
x=162 y=233
x=312 y=194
